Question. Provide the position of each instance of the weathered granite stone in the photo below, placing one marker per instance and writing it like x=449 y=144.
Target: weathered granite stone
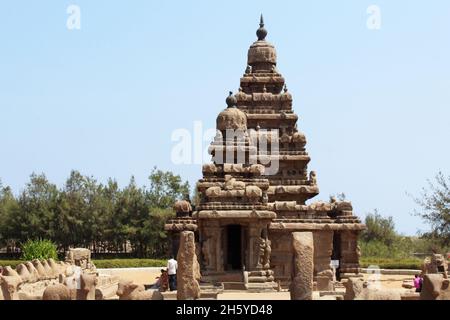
x=24 y=273
x=80 y=257
x=435 y=264
x=127 y=290
x=9 y=287
x=303 y=269
x=358 y=289
x=56 y=292
x=435 y=287
x=88 y=284
x=56 y=269
x=10 y=272
x=48 y=270
x=188 y=273
x=40 y=269
x=33 y=271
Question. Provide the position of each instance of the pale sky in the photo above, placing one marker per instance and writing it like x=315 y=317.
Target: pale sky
x=105 y=99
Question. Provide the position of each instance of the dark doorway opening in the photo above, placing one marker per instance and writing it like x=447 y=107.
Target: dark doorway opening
x=175 y=245
x=234 y=254
x=336 y=254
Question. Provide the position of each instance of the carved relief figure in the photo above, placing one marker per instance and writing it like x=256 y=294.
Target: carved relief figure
x=313 y=178
x=206 y=252
x=267 y=252
x=261 y=250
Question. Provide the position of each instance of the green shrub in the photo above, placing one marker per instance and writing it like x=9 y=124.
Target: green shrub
x=129 y=263
x=39 y=249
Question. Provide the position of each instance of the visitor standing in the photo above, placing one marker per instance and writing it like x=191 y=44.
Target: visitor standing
x=172 y=267
x=417 y=283
x=420 y=282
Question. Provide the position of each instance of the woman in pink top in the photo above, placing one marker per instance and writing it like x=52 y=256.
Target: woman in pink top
x=417 y=283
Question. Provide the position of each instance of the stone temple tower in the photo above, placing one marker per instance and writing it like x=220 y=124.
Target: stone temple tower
x=253 y=195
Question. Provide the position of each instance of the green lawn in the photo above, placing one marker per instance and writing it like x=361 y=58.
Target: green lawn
x=129 y=263
x=389 y=263
x=12 y=263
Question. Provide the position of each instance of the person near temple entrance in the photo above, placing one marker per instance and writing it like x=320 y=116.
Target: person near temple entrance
x=172 y=267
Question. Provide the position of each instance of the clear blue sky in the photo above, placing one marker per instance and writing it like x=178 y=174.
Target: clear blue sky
x=105 y=99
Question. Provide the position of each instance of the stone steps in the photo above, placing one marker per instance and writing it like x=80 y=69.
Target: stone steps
x=234 y=286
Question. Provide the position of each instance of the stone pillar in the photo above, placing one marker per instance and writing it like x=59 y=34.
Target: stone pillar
x=303 y=269
x=208 y=248
x=323 y=246
x=349 y=265
x=188 y=273
x=253 y=238
x=212 y=247
x=219 y=250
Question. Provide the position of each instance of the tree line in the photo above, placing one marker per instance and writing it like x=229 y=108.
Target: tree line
x=106 y=218
x=381 y=239
x=86 y=213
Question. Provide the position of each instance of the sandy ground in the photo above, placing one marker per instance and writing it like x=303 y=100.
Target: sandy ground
x=284 y=295
x=147 y=277
x=388 y=281
x=139 y=276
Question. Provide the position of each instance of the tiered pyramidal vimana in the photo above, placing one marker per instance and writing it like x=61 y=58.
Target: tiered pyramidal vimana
x=253 y=196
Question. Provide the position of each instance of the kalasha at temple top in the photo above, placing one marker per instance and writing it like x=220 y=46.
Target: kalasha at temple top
x=248 y=206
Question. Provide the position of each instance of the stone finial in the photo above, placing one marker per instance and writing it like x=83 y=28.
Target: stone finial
x=261 y=32
x=231 y=100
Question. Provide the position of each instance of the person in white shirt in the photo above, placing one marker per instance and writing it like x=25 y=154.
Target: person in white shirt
x=172 y=267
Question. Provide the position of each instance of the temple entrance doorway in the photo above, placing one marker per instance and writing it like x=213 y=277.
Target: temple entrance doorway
x=336 y=254
x=234 y=247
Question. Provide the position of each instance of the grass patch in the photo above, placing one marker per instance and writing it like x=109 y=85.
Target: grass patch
x=129 y=263
x=12 y=263
x=392 y=263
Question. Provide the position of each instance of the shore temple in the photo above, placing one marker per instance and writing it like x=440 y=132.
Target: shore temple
x=247 y=211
